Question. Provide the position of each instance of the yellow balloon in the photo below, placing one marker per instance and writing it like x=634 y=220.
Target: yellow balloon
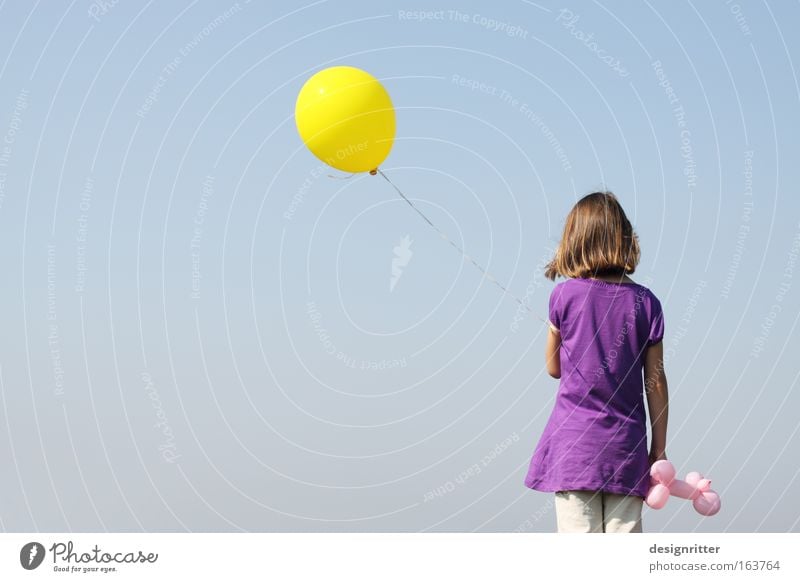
x=345 y=117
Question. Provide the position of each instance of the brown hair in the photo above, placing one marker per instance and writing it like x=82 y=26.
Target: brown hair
x=598 y=239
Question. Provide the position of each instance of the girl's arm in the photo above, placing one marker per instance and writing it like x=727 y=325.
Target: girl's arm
x=655 y=382
x=552 y=352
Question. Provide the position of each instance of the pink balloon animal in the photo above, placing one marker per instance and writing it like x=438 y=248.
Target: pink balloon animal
x=698 y=489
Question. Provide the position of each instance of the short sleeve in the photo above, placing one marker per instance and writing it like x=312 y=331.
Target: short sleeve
x=554 y=313
x=656 y=323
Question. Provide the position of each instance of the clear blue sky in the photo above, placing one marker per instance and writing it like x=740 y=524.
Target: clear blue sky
x=203 y=331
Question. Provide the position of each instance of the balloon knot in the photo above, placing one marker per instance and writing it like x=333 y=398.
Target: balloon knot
x=373 y=171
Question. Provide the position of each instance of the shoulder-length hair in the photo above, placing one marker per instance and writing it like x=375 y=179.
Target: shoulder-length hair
x=598 y=239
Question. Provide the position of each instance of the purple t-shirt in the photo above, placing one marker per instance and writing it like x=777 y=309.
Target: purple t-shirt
x=596 y=436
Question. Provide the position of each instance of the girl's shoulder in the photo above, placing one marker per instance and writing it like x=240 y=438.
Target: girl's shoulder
x=580 y=284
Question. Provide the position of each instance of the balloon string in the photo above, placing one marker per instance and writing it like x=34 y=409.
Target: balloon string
x=486 y=274
x=459 y=249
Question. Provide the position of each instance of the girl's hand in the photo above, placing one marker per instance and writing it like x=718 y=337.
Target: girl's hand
x=657 y=456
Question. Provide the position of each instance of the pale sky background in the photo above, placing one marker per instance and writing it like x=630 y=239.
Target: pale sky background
x=199 y=326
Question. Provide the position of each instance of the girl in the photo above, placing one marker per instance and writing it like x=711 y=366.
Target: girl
x=605 y=334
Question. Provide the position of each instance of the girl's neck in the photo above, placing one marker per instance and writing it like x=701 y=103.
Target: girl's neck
x=613 y=277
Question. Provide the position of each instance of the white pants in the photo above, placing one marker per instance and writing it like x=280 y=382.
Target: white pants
x=598 y=512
